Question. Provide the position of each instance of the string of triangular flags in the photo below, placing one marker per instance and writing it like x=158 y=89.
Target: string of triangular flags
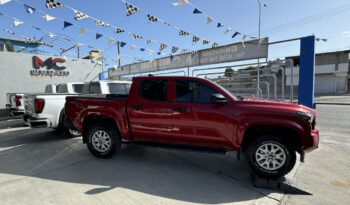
x=210 y=19
x=51 y=4
x=83 y=31
x=131 y=9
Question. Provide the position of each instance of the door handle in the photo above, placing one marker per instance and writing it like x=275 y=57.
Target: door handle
x=180 y=109
x=137 y=107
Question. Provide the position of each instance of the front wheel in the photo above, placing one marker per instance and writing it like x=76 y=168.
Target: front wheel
x=103 y=140
x=271 y=156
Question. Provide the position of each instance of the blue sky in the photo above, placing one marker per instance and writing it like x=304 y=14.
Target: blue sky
x=241 y=15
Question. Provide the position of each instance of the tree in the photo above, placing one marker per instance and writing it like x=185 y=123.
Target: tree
x=228 y=72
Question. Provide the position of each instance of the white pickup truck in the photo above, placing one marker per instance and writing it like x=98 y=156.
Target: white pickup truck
x=47 y=110
x=15 y=101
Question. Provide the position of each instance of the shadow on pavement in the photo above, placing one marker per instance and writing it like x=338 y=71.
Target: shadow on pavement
x=180 y=175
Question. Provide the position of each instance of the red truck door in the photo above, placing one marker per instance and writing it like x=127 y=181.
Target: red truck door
x=149 y=111
x=203 y=122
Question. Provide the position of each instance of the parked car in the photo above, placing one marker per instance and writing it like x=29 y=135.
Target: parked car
x=15 y=101
x=196 y=113
x=47 y=110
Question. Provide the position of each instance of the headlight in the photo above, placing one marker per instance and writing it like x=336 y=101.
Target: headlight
x=308 y=117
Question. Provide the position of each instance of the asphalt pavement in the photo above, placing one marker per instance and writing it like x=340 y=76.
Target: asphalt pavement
x=38 y=166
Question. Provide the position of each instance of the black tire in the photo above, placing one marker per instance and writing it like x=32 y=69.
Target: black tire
x=114 y=136
x=285 y=145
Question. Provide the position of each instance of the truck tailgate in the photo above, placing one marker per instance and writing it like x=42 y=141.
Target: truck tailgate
x=29 y=104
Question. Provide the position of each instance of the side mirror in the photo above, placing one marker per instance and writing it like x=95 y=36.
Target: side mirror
x=218 y=98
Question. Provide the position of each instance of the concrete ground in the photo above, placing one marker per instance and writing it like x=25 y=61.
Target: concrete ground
x=38 y=166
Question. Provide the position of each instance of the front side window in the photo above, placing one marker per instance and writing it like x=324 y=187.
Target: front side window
x=195 y=92
x=154 y=90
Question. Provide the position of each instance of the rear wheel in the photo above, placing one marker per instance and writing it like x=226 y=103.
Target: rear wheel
x=271 y=156
x=103 y=140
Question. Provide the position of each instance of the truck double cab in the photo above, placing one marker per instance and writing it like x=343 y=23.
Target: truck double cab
x=195 y=112
x=15 y=101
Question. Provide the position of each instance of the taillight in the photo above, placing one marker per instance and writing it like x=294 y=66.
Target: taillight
x=18 y=102
x=39 y=105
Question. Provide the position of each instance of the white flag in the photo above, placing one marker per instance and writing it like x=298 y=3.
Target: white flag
x=209 y=19
x=48 y=17
x=243 y=39
x=52 y=35
x=110 y=40
x=4 y=1
x=17 y=22
x=83 y=31
x=132 y=47
x=228 y=29
x=181 y=2
x=151 y=52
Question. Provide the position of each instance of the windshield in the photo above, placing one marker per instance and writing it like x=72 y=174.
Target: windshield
x=225 y=90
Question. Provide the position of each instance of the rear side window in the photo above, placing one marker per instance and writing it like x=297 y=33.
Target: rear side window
x=95 y=88
x=62 y=88
x=194 y=92
x=78 y=88
x=154 y=90
x=118 y=88
x=48 y=89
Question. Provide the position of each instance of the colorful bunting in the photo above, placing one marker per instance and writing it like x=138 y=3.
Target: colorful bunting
x=101 y=23
x=8 y=31
x=243 y=39
x=79 y=15
x=119 y=30
x=174 y=49
x=52 y=35
x=184 y=50
x=52 y=4
x=48 y=17
x=196 y=11
x=17 y=22
x=181 y=2
x=142 y=49
x=4 y=1
x=110 y=40
x=151 y=18
x=150 y=52
x=209 y=20
x=132 y=47
x=162 y=46
x=171 y=57
x=98 y=35
x=219 y=25
x=29 y=9
x=137 y=36
x=228 y=30
x=159 y=53
x=39 y=29
x=149 y=41
x=205 y=42
x=122 y=44
x=168 y=24
x=235 y=34
x=195 y=39
x=214 y=45
x=66 y=24
x=183 y=33
x=130 y=9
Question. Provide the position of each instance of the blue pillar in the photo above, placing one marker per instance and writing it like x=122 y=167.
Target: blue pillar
x=307 y=72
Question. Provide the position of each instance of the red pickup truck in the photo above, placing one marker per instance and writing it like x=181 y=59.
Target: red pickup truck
x=195 y=112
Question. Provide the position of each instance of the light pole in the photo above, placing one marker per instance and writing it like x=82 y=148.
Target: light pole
x=258 y=69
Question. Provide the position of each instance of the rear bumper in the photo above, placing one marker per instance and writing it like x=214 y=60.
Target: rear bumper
x=312 y=142
x=14 y=111
x=38 y=122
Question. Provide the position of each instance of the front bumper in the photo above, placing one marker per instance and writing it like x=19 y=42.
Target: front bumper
x=38 y=122
x=312 y=142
